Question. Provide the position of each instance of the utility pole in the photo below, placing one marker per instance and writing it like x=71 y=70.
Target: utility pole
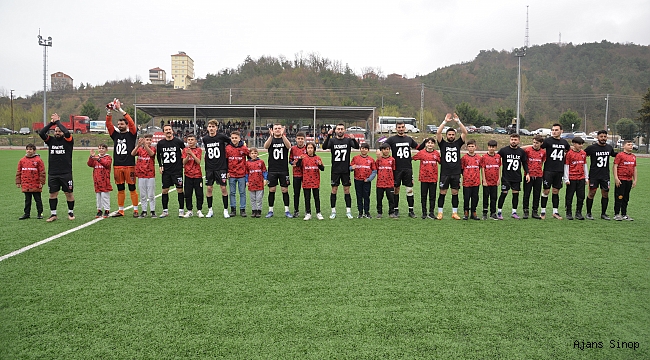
x=12 y=110
x=45 y=43
x=606 y=111
x=519 y=53
x=422 y=108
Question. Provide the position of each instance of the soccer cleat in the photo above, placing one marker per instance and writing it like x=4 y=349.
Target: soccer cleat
x=439 y=217
x=288 y=214
x=135 y=214
x=424 y=216
x=181 y=213
x=526 y=214
x=153 y=215
x=455 y=216
x=557 y=216
x=296 y=214
x=26 y=216
x=242 y=212
x=319 y=216
x=164 y=214
x=143 y=215
x=579 y=216
x=474 y=216
x=200 y=214
x=40 y=217
x=515 y=216
x=605 y=217
x=618 y=217
x=431 y=216
x=393 y=215
x=589 y=217
x=396 y=213
x=625 y=217
x=99 y=214
x=485 y=217
x=226 y=215
x=210 y=213
x=268 y=215
x=188 y=214
x=542 y=216
x=379 y=216
x=465 y=215
x=333 y=215
x=360 y=216
x=494 y=216
x=367 y=216
x=499 y=216
x=106 y=214
x=569 y=216
x=349 y=215
x=535 y=215
x=118 y=213
x=52 y=218
x=412 y=215
x=307 y=216
x=71 y=216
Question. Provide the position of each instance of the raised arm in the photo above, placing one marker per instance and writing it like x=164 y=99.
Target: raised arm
x=442 y=126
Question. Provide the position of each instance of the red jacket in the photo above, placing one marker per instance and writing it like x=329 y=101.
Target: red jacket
x=101 y=173
x=236 y=160
x=30 y=174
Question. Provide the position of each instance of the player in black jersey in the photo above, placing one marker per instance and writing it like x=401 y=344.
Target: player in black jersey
x=599 y=155
x=169 y=152
x=400 y=146
x=59 y=167
x=278 y=170
x=340 y=146
x=216 y=165
x=556 y=149
x=513 y=159
x=450 y=168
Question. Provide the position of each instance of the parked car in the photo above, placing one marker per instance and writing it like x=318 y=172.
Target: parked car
x=485 y=129
x=580 y=133
x=152 y=129
x=567 y=136
x=525 y=132
x=500 y=130
x=543 y=131
x=5 y=131
x=432 y=129
x=471 y=129
x=589 y=139
x=24 y=131
x=411 y=129
x=356 y=128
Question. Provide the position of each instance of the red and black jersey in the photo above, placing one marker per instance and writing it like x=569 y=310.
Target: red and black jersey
x=294 y=155
x=255 y=170
x=428 y=165
x=535 y=160
x=576 y=161
x=60 y=150
x=625 y=164
x=236 y=160
x=311 y=168
x=365 y=165
x=123 y=143
x=385 y=172
x=144 y=165
x=471 y=165
x=192 y=168
x=101 y=172
x=30 y=174
x=491 y=165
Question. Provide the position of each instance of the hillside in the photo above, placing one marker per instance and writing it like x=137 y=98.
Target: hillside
x=555 y=78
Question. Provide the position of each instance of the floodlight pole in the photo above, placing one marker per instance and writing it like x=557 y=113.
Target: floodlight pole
x=45 y=43
x=12 y=109
x=519 y=53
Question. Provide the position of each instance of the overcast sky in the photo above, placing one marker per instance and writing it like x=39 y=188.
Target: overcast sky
x=93 y=43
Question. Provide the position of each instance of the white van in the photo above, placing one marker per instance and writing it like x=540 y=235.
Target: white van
x=543 y=131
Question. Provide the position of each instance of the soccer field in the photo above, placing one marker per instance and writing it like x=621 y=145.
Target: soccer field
x=285 y=288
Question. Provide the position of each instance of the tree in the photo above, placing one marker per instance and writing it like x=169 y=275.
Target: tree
x=569 y=118
x=644 y=116
x=627 y=128
x=143 y=118
x=89 y=109
x=504 y=117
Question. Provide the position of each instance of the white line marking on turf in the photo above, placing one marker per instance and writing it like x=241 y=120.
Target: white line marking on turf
x=54 y=237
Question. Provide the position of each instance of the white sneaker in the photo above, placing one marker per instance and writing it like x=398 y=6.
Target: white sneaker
x=319 y=216
x=199 y=214
x=188 y=214
x=333 y=215
x=307 y=217
x=210 y=214
x=226 y=215
x=349 y=215
x=181 y=213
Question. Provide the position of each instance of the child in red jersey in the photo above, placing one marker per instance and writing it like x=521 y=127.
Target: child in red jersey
x=101 y=163
x=471 y=166
x=365 y=170
x=295 y=153
x=625 y=176
x=535 y=156
x=237 y=152
x=256 y=176
x=491 y=166
x=30 y=176
x=146 y=173
x=192 y=155
x=575 y=177
x=428 y=177
x=385 y=180
x=311 y=165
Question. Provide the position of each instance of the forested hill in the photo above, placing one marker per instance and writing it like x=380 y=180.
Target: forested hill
x=555 y=78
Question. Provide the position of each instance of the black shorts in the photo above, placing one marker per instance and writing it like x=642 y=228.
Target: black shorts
x=510 y=185
x=169 y=179
x=447 y=181
x=603 y=183
x=60 y=182
x=341 y=178
x=282 y=177
x=404 y=177
x=218 y=176
x=553 y=179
